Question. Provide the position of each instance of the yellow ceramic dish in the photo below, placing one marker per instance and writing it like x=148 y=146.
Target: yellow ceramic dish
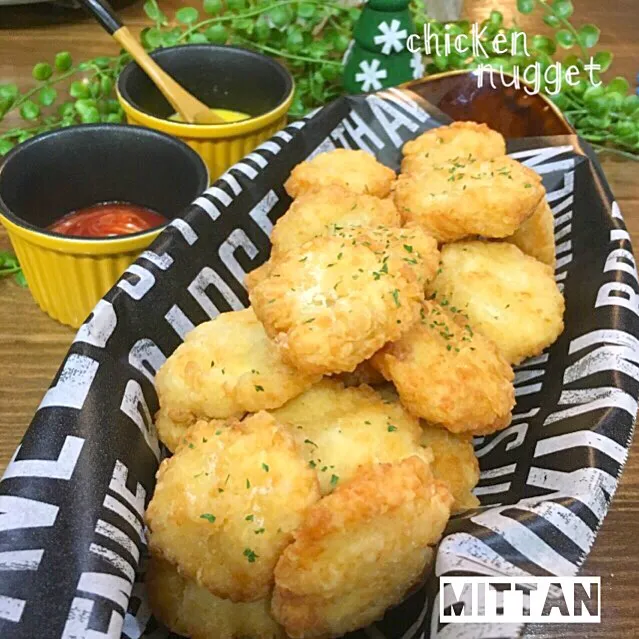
x=228 y=78
x=68 y=169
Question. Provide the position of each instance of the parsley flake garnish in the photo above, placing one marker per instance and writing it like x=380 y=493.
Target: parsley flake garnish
x=250 y=555
x=334 y=480
x=391 y=428
x=210 y=518
x=395 y=295
x=249 y=517
x=259 y=389
x=265 y=467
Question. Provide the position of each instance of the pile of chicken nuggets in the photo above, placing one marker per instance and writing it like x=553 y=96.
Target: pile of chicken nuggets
x=322 y=437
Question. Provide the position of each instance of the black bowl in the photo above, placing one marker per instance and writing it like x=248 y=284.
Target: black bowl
x=52 y=174
x=220 y=76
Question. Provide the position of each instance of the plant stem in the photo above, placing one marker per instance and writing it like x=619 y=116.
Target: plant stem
x=566 y=23
x=285 y=54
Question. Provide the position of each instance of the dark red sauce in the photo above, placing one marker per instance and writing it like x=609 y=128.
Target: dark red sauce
x=107 y=220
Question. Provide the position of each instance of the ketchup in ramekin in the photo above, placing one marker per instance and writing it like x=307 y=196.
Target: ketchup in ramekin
x=108 y=219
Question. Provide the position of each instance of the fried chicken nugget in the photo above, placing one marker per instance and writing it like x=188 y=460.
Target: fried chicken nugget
x=509 y=297
x=190 y=610
x=466 y=198
x=448 y=374
x=315 y=212
x=226 y=503
x=334 y=301
x=456 y=141
x=454 y=464
x=536 y=236
x=342 y=429
x=356 y=171
x=360 y=549
x=365 y=373
x=225 y=367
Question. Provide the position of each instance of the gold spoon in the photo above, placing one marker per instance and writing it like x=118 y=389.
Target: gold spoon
x=190 y=109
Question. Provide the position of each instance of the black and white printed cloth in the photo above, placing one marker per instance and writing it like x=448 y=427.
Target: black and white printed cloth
x=72 y=543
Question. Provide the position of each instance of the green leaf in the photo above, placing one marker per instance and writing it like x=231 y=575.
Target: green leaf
x=47 y=96
x=115 y=118
x=79 y=89
x=236 y=5
x=565 y=38
x=66 y=109
x=42 y=71
x=262 y=29
x=198 y=38
x=603 y=59
x=593 y=92
x=153 y=38
x=216 y=34
x=187 y=15
x=618 y=85
x=630 y=104
x=544 y=44
x=154 y=12
x=102 y=62
x=213 y=7
x=562 y=8
x=20 y=279
x=552 y=21
x=29 y=110
x=588 y=35
x=5 y=147
x=294 y=40
x=306 y=10
x=63 y=61
x=9 y=92
x=280 y=17
x=525 y=6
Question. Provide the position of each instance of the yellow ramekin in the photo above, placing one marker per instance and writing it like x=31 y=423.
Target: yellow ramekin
x=224 y=77
x=72 y=168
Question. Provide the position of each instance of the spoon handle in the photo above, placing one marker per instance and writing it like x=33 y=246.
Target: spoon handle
x=104 y=14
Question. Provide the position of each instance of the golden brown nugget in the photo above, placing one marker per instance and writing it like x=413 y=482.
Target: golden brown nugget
x=225 y=367
x=342 y=429
x=315 y=213
x=460 y=140
x=536 y=236
x=509 y=297
x=360 y=549
x=448 y=374
x=454 y=464
x=226 y=503
x=190 y=610
x=356 y=171
x=334 y=301
x=465 y=198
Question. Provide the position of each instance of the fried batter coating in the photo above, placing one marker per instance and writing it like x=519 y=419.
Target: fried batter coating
x=315 y=212
x=342 y=429
x=226 y=503
x=190 y=610
x=536 y=236
x=509 y=297
x=457 y=141
x=454 y=464
x=360 y=549
x=334 y=301
x=356 y=171
x=448 y=374
x=466 y=198
x=225 y=367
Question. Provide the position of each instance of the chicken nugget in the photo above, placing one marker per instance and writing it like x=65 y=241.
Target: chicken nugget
x=315 y=212
x=454 y=464
x=342 y=429
x=466 y=198
x=335 y=300
x=509 y=297
x=356 y=171
x=448 y=374
x=457 y=141
x=536 y=236
x=360 y=549
x=225 y=367
x=226 y=503
x=190 y=610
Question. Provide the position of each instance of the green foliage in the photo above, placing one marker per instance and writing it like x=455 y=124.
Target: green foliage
x=9 y=266
x=310 y=37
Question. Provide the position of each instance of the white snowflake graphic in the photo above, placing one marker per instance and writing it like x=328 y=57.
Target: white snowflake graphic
x=417 y=65
x=391 y=37
x=370 y=75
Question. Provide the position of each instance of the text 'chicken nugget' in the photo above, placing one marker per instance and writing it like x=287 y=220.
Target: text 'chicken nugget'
x=190 y=610
x=448 y=374
x=456 y=141
x=316 y=212
x=225 y=367
x=356 y=171
x=360 y=549
x=509 y=297
x=226 y=503
x=467 y=197
x=334 y=301
x=342 y=429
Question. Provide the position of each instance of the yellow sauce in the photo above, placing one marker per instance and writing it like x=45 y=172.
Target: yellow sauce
x=225 y=114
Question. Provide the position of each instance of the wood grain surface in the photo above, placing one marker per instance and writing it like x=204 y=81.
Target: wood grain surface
x=32 y=345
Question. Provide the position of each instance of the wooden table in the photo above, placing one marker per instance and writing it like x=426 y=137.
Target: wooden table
x=32 y=345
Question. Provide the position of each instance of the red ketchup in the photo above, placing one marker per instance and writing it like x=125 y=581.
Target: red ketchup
x=107 y=220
